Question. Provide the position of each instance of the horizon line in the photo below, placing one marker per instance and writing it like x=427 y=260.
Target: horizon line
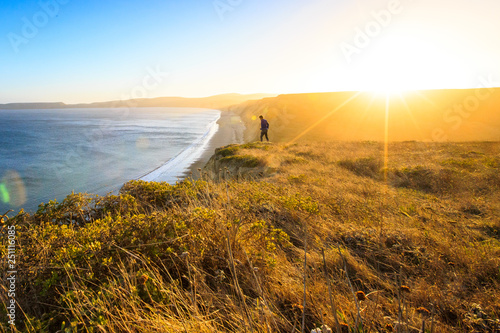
x=271 y=95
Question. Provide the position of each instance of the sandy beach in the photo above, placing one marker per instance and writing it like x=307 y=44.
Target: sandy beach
x=231 y=130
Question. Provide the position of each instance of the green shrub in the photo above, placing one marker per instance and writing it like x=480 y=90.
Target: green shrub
x=247 y=161
x=467 y=164
x=227 y=150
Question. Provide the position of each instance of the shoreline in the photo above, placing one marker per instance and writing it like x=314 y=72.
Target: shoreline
x=227 y=129
x=231 y=131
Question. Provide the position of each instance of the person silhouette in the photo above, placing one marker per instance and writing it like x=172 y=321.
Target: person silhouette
x=264 y=127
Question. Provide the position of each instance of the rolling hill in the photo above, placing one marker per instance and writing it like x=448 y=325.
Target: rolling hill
x=431 y=115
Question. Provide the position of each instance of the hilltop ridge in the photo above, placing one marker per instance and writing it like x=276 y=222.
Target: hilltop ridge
x=428 y=115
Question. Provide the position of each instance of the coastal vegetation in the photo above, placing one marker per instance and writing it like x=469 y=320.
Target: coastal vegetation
x=274 y=238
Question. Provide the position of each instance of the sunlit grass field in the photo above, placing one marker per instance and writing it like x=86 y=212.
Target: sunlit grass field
x=275 y=238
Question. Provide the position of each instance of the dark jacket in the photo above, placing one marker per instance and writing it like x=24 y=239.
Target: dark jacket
x=264 y=125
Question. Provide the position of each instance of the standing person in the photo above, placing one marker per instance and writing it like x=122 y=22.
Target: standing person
x=264 y=126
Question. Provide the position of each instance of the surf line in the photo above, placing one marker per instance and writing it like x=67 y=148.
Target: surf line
x=181 y=160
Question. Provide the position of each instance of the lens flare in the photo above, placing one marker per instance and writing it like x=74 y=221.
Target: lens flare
x=12 y=189
x=142 y=143
x=329 y=114
x=4 y=193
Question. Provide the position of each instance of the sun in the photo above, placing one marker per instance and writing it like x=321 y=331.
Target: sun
x=388 y=91
x=397 y=63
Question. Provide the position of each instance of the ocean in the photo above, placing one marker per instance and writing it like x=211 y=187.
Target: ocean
x=47 y=154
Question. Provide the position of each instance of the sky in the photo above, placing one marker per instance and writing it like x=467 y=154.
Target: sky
x=77 y=51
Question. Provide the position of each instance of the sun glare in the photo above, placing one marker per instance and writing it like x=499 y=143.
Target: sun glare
x=388 y=92
x=397 y=63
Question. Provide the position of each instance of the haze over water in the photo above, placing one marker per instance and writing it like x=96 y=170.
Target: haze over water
x=47 y=154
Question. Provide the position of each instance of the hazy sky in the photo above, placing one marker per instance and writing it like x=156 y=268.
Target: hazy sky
x=98 y=50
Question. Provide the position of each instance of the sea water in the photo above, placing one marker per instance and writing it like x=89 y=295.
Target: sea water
x=47 y=154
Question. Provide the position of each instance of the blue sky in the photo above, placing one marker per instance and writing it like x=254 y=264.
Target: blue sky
x=84 y=51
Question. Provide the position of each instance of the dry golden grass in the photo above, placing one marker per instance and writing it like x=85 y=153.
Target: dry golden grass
x=227 y=254
x=356 y=116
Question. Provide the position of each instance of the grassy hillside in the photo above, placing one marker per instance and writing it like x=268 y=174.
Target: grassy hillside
x=418 y=242
x=432 y=115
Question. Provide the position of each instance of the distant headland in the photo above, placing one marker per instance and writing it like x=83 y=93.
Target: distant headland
x=217 y=101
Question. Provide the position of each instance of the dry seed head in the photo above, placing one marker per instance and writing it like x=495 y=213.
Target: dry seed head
x=423 y=311
x=322 y=329
x=143 y=278
x=405 y=289
x=361 y=296
x=220 y=275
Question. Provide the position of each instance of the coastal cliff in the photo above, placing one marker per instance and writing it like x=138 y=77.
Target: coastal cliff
x=237 y=162
x=428 y=115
